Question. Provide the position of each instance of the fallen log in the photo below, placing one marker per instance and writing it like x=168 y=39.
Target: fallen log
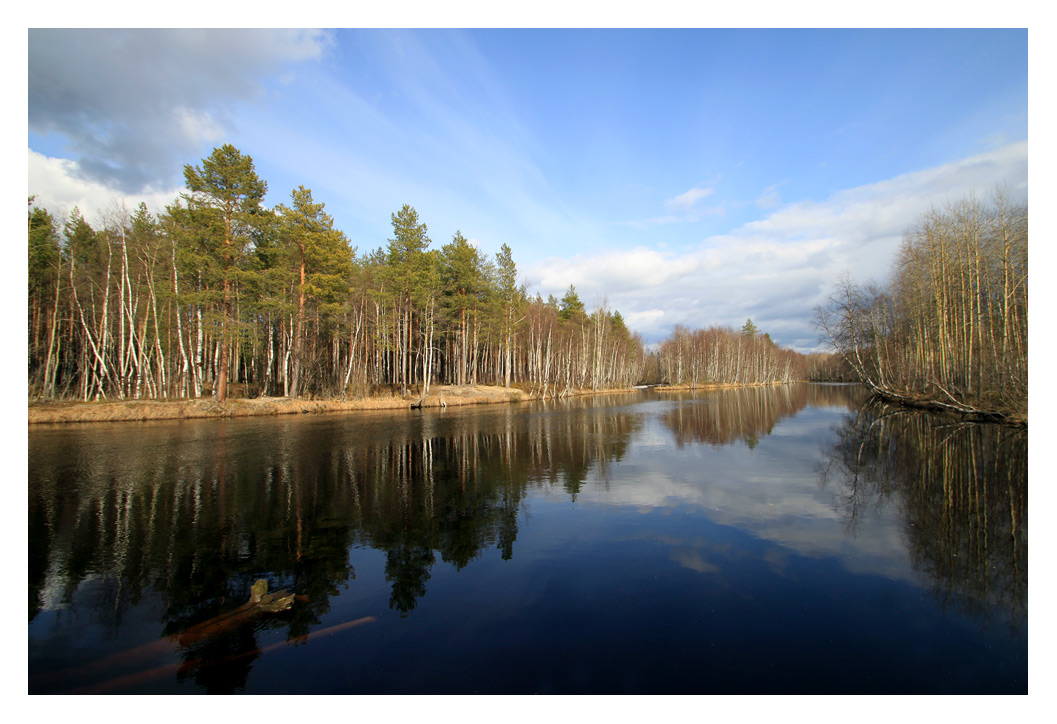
x=921 y=402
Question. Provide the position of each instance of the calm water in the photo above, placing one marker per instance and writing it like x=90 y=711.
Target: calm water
x=753 y=541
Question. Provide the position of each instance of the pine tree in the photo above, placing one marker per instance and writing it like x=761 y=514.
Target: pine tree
x=227 y=192
x=45 y=283
x=322 y=261
x=406 y=272
x=510 y=301
x=463 y=281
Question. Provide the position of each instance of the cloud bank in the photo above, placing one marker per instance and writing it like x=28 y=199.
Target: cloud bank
x=128 y=105
x=777 y=269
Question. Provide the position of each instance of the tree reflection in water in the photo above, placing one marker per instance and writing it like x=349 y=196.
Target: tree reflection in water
x=748 y=414
x=197 y=521
x=962 y=489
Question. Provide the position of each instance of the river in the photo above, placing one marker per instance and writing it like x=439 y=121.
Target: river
x=767 y=540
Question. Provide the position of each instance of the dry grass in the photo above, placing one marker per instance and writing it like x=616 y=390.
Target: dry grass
x=132 y=410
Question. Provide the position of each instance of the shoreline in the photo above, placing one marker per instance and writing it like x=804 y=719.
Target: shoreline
x=67 y=412
x=203 y=408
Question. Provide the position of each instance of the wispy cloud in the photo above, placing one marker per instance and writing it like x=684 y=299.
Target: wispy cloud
x=769 y=199
x=686 y=201
x=778 y=268
x=681 y=208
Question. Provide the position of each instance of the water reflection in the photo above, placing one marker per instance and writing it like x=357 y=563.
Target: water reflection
x=197 y=513
x=140 y=533
x=747 y=414
x=962 y=492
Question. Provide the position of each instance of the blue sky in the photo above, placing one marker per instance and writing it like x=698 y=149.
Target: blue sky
x=692 y=177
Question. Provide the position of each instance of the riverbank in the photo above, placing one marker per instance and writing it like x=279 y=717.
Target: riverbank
x=141 y=410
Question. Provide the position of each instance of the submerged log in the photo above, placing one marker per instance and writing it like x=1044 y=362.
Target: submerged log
x=122 y=683
x=260 y=602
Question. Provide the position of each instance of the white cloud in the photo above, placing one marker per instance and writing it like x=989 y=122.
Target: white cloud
x=778 y=268
x=646 y=318
x=58 y=186
x=198 y=126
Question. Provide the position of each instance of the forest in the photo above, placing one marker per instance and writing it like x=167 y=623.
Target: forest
x=219 y=295
x=950 y=329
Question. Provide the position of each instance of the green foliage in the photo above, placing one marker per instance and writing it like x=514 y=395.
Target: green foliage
x=224 y=202
x=571 y=306
x=507 y=274
x=618 y=327
x=313 y=246
x=82 y=242
x=43 y=249
x=462 y=275
x=227 y=182
x=406 y=264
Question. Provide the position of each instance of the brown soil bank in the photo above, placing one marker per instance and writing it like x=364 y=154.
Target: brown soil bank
x=131 y=410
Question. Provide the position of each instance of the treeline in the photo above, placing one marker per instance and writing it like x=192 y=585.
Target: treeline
x=219 y=290
x=829 y=367
x=723 y=355
x=951 y=328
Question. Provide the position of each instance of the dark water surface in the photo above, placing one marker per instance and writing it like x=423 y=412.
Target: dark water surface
x=778 y=540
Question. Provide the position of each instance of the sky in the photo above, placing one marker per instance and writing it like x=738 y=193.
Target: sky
x=682 y=177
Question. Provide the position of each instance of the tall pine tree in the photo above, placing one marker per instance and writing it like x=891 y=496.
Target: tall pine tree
x=226 y=190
